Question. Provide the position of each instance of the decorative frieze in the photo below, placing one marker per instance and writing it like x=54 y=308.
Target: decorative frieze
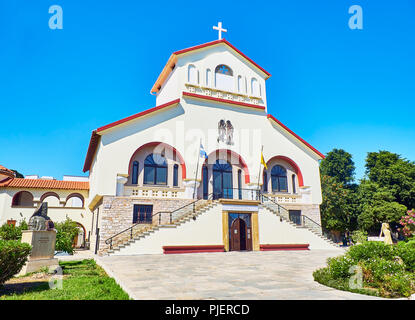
x=231 y=96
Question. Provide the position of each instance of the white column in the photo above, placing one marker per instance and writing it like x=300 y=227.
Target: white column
x=121 y=181
x=190 y=186
x=305 y=193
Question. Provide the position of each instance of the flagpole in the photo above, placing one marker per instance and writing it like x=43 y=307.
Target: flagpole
x=197 y=168
x=259 y=172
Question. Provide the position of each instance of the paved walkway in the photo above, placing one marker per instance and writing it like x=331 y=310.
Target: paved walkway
x=231 y=275
x=78 y=255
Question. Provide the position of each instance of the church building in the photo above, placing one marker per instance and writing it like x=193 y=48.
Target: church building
x=207 y=169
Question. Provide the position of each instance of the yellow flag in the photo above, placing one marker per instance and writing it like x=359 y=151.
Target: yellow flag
x=263 y=161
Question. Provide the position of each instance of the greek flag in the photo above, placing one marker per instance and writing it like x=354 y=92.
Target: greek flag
x=202 y=152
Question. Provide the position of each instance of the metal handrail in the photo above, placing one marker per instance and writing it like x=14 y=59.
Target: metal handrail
x=238 y=193
x=130 y=229
x=303 y=217
x=311 y=220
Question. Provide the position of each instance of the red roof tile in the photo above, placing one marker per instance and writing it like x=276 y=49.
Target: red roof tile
x=45 y=184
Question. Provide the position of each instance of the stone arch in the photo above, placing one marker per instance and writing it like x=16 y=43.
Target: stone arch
x=49 y=194
x=75 y=195
x=23 y=198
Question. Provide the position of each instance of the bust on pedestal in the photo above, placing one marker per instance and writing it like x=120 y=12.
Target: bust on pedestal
x=42 y=237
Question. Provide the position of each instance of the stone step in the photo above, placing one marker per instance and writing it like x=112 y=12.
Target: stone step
x=185 y=217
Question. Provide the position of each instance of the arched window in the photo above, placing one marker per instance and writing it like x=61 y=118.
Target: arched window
x=255 y=87
x=265 y=181
x=155 y=169
x=192 y=74
x=134 y=179
x=23 y=198
x=175 y=175
x=279 y=179
x=208 y=78
x=75 y=200
x=224 y=78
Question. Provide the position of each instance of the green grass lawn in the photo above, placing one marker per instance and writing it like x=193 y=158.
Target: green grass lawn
x=82 y=280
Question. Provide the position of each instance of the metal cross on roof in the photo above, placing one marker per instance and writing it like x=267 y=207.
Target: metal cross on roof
x=219 y=28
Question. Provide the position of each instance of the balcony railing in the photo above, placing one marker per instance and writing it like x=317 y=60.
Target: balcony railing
x=154 y=192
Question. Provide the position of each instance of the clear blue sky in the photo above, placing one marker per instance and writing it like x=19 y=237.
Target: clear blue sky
x=335 y=87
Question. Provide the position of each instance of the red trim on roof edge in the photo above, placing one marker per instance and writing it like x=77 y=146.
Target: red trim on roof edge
x=93 y=143
x=137 y=115
x=212 y=43
x=242 y=104
x=95 y=137
x=297 y=136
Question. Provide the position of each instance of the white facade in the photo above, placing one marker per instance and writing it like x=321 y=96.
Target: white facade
x=211 y=95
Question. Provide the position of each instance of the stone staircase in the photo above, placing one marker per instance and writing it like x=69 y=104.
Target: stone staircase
x=306 y=223
x=179 y=217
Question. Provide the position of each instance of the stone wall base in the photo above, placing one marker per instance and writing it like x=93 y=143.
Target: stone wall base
x=117 y=214
x=311 y=211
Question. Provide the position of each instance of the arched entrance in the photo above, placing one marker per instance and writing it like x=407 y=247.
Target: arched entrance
x=79 y=241
x=222 y=180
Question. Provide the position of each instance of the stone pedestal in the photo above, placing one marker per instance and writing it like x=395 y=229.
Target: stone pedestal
x=43 y=250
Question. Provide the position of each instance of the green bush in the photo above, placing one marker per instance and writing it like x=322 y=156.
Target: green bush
x=339 y=267
x=397 y=285
x=370 y=250
x=11 y=232
x=359 y=236
x=381 y=268
x=13 y=256
x=66 y=233
x=407 y=252
x=387 y=270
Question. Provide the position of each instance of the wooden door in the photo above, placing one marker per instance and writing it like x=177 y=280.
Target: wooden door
x=235 y=231
x=249 y=239
x=240 y=236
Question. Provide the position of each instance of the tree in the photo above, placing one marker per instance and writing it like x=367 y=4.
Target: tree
x=396 y=174
x=65 y=234
x=18 y=174
x=339 y=165
x=376 y=205
x=338 y=209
